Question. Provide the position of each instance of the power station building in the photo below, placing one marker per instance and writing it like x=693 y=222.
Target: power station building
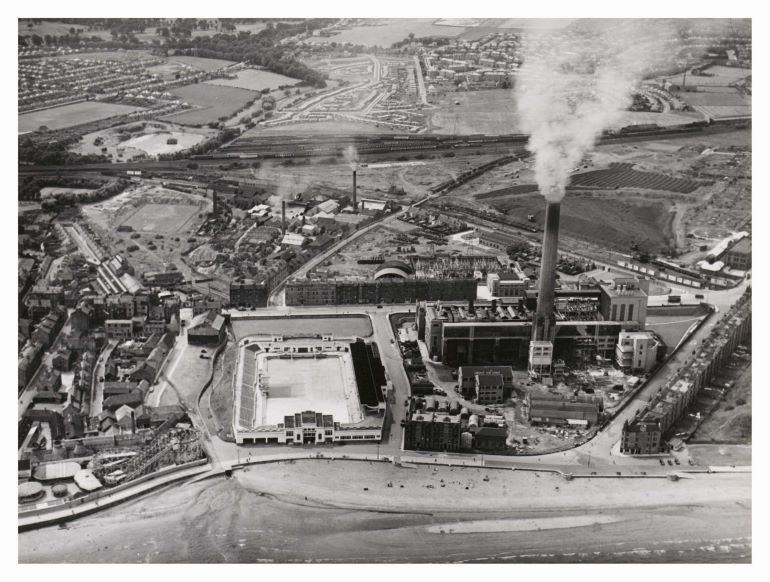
x=464 y=334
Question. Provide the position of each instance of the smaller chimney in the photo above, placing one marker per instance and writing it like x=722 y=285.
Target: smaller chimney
x=283 y=217
x=494 y=305
x=470 y=306
x=355 y=206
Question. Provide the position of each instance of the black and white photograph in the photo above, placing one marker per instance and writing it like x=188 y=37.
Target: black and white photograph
x=383 y=289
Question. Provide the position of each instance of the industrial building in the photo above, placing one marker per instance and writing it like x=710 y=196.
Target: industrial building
x=352 y=290
x=546 y=408
x=467 y=381
x=211 y=331
x=637 y=351
x=739 y=255
x=471 y=334
x=512 y=284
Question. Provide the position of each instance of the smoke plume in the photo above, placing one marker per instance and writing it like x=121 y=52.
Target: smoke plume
x=576 y=83
x=351 y=157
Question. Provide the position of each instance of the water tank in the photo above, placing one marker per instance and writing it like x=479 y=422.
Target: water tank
x=430 y=403
x=473 y=421
x=443 y=406
x=454 y=407
x=464 y=412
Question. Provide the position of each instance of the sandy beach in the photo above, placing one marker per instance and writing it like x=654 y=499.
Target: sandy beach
x=262 y=515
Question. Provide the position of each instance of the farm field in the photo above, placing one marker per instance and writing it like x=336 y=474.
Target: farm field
x=614 y=224
x=69 y=115
x=255 y=80
x=213 y=102
x=491 y=112
x=57 y=29
x=390 y=30
x=161 y=218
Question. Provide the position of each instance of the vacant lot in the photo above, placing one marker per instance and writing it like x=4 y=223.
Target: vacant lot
x=69 y=115
x=161 y=218
x=255 y=80
x=612 y=223
x=671 y=328
x=212 y=102
x=731 y=420
x=491 y=112
x=384 y=32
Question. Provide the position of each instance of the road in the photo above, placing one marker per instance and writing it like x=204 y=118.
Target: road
x=277 y=297
x=97 y=394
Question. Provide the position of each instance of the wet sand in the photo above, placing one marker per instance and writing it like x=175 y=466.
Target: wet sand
x=262 y=515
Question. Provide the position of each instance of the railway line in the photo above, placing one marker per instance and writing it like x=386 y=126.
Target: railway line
x=370 y=147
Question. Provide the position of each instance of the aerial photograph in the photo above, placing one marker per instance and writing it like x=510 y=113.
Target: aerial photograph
x=384 y=290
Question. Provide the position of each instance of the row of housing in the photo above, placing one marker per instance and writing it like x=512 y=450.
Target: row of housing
x=644 y=434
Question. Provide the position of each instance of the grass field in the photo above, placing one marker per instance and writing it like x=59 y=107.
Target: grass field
x=614 y=223
x=323 y=127
x=213 y=102
x=105 y=56
x=491 y=112
x=201 y=63
x=57 y=29
x=255 y=80
x=69 y=115
x=161 y=218
x=386 y=31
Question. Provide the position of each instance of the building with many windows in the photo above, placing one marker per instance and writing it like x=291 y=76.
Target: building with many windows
x=636 y=351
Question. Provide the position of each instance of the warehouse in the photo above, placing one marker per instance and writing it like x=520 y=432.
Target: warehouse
x=563 y=410
x=210 y=332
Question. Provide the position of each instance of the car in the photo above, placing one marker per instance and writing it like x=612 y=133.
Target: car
x=406 y=402
x=379 y=307
x=690 y=462
x=662 y=462
x=676 y=461
x=669 y=461
x=392 y=341
x=403 y=423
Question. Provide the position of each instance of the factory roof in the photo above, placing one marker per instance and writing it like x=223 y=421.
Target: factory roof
x=394 y=269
